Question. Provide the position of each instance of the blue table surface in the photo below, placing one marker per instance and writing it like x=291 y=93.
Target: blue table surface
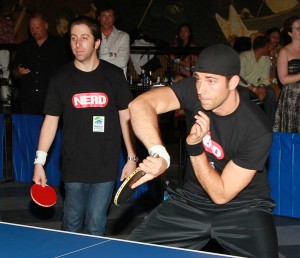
x=25 y=241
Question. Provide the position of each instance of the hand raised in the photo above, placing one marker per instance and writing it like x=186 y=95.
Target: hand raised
x=199 y=129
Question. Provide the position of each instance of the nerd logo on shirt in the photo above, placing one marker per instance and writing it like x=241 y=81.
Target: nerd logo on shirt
x=90 y=99
x=212 y=147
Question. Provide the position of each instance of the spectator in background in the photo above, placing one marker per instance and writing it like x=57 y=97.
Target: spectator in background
x=115 y=45
x=287 y=117
x=184 y=40
x=273 y=34
x=35 y=61
x=240 y=45
x=255 y=71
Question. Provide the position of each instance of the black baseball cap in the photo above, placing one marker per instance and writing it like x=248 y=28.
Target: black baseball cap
x=219 y=59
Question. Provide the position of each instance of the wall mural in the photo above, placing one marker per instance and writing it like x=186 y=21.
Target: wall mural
x=212 y=21
x=245 y=24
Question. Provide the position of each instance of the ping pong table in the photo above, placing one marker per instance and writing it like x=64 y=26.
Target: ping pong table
x=26 y=241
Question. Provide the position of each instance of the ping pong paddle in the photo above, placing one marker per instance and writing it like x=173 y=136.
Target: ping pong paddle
x=125 y=191
x=43 y=196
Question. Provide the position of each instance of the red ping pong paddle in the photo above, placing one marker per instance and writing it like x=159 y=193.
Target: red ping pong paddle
x=125 y=191
x=43 y=196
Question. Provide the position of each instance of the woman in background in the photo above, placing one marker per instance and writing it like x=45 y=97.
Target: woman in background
x=273 y=34
x=287 y=117
x=184 y=40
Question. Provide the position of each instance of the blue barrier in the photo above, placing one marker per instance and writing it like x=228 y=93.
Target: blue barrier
x=26 y=131
x=1 y=146
x=283 y=163
x=284 y=173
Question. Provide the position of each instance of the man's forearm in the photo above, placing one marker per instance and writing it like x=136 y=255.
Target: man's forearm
x=144 y=121
x=48 y=132
x=127 y=132
x=208 y=177
x=144 y=112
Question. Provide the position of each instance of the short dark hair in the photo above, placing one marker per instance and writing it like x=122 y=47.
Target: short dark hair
x=106 y=7
x=93 y=24
x=271 y=30
x=260 y=42
x=242 y=44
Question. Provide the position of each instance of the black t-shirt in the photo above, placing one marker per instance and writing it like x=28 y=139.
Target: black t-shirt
x=244 y=136
x=89 y=103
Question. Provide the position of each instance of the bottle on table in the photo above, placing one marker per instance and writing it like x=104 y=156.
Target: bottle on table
x=168 y=78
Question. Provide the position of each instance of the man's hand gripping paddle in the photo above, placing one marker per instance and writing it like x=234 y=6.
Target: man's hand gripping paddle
x=125 y=191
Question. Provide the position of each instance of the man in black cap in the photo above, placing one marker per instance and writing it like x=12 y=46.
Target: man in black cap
x=226 y=194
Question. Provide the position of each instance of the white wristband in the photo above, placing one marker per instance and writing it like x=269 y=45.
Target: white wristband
x=40 y=157
x=161 y=152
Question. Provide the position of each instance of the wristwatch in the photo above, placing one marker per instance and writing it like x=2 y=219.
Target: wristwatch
x=134 y=159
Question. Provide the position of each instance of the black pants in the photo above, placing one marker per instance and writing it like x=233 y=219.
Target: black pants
x=186 y=220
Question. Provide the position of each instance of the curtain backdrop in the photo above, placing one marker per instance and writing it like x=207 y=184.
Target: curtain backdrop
x=284 y=173
x=26 y=131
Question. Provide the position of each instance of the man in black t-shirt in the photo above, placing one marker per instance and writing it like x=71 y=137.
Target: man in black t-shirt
x=92 y=96
x=36 y=60
x=225 y=195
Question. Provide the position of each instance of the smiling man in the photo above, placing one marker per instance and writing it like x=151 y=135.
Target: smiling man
x=225 y=195
x=92 y=96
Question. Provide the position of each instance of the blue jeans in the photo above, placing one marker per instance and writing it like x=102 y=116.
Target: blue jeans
x=85 y=207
